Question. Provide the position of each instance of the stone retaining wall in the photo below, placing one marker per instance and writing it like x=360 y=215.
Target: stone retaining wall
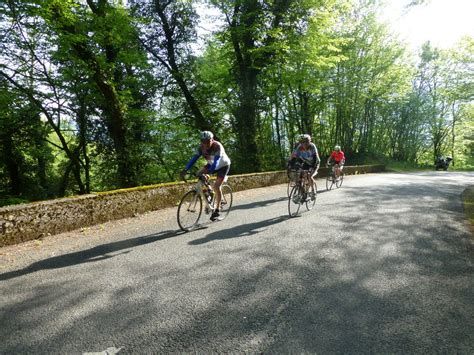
x=24 y=222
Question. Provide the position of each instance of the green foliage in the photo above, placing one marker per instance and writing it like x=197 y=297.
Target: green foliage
x=98 y=95
x=6 y=200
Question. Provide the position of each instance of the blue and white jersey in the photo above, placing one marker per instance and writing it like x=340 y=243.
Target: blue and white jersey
x=215 y=155
x=310 y=154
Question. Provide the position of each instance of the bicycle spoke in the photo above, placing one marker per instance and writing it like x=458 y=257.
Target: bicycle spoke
x=329 y=182
x=189 y=210
x=295 y=200
x=226 y=201
x=311 y=200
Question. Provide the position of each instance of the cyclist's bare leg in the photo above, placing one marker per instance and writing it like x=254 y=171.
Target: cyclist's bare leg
x=218 y=191
x=312 y=180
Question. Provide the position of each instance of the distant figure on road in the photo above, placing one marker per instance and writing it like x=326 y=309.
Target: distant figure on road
x=443 y=162
x=217 y=162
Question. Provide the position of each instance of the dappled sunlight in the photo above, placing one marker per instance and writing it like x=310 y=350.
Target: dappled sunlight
x=94 y=254
x=393 y=273
x=243 y=230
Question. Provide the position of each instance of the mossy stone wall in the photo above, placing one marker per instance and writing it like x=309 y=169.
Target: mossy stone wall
x=24 y=222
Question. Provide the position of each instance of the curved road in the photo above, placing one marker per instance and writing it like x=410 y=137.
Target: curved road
x=384 y=264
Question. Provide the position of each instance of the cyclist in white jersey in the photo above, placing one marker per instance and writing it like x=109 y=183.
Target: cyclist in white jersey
x=217 y=162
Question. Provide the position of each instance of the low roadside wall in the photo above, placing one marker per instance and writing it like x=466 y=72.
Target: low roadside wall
x=35 y=220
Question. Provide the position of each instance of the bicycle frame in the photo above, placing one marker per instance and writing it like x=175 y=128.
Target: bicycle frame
x=303 y=179
x=204 y=182
x=335 y=178
x=301 y=193
x=334 y=169
x=191 y=205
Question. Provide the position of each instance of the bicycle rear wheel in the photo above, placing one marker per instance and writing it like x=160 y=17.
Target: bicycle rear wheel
x=339 y=180
x=226 y=202
x=329 y=182
x=189 y=210
x=291 y=182
x=295 y=200
x=311 y=199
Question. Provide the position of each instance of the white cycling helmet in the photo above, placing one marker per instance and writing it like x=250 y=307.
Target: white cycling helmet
x=337 y=147
x=206 y=135
x=305 y=138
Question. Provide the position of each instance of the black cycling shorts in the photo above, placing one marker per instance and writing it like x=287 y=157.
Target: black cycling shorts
x=222 y=172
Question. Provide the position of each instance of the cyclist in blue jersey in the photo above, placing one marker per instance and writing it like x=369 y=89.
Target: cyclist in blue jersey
x=308 y=153
x=217 y=162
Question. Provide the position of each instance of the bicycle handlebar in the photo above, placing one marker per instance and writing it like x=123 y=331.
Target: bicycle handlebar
x=204 y=178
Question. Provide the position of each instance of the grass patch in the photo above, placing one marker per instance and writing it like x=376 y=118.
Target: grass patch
x=390 y=164
x=468 y=202
x=403 y=167
x=467 y=168
x=9 y=200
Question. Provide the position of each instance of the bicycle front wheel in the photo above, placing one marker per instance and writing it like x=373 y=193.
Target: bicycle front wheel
x=189 y=210
x=292 y=176
x=311 y=199
x=289 y=187
x=329 y=182
x=339 y=180
x=226 y=202
x=295 y=200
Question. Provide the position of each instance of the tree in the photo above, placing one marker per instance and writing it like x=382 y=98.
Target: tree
x=26 y=66
x=101 y=40
x=256 y=31
x=168 y=29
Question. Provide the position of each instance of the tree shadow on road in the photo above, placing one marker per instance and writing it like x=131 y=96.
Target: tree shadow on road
x=100 y=252
x=265 y=203
x=259 y=204
x=242 y=230
x=406 y=291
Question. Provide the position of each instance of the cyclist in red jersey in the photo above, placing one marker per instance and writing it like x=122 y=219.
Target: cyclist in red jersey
x=338 y=159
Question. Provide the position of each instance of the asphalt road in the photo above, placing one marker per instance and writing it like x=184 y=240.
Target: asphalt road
x=383 y=264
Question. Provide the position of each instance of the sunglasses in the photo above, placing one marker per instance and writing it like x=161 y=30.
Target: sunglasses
x=205 y=140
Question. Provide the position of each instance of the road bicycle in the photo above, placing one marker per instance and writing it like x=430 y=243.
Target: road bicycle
x=202 y=197
x=292 y=178
x=302 y=192
x=333 y=178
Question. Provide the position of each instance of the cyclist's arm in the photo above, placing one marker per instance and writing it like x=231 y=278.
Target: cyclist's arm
x=293 y=158
x=331 y=159
x=316 y=160
x=294 y=154
x=193 y=160
x=212 y=167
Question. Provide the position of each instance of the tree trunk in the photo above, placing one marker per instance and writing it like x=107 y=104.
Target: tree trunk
x=247 y=159
x=115 y=115
x=199 y=121
x=12 y=165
